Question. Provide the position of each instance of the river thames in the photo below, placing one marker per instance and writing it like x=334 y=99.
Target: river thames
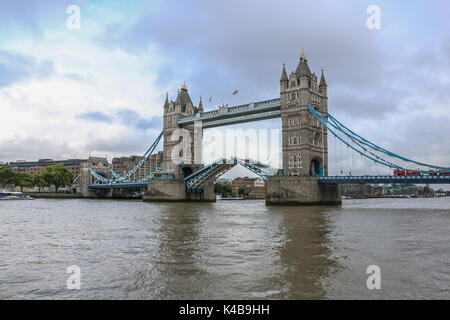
x=224 y=250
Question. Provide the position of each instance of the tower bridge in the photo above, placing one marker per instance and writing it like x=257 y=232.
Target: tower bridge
x=303 y=178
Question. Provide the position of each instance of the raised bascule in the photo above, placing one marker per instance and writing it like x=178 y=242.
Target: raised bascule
x=303 y=179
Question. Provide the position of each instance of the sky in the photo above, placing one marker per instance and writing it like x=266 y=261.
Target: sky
x=99 y=90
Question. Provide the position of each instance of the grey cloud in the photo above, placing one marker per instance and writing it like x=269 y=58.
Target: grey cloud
x=235 y=44
x=231 y=45
x=96 y=116
x=123 y=116
x=34 y=16
x=35 y=148
x=218 y=47
x=16 y=67
x=241 y=45
x=132 y=118
x=135 y=142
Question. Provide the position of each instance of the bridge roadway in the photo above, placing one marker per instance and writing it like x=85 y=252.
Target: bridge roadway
x=268 y=109
x=423 y=179
x=323 y=180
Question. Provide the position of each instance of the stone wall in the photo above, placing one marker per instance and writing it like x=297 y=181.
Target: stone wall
x=176 y=191
x=295 y=190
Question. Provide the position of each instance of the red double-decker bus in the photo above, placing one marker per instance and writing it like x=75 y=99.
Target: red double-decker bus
x=413 y=173
x=398 y=172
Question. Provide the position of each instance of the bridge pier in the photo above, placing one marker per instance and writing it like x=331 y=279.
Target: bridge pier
x=301 y=190
x=175 y=190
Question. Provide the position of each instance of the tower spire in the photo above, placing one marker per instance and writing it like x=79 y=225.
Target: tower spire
x=303 y=68
x=200 y=105
x=284 y=76
x=303 y=56
x=323 y=83
x=166 y=103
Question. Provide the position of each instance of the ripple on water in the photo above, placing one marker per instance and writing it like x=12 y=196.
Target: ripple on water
x=224 y=250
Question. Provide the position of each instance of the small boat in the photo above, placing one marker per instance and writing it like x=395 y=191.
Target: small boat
x=9 y=195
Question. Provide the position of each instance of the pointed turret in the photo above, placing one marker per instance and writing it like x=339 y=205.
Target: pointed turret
x=166 y=103
x=284 y=77
x=200 y=105
x=183 y=95
x=303 y=68
x=183 y=99
x=323 y=83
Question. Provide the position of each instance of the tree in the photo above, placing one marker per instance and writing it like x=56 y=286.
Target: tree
x=58 y=176
x=7 y=175
x=227 y=189
x=244 y=192
x=218 y=188
x=428 y=192
x=223 y=189
x=23 y=179
x=38 y=181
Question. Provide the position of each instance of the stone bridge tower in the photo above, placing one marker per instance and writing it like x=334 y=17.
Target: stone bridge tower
x=305 y=149
x=182 y=153
x=182 y=145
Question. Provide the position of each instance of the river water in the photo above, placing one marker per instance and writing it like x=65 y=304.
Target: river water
x=224 y=250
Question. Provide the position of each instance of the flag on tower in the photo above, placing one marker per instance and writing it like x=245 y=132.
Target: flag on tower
x=235 y=92
x=210 y=99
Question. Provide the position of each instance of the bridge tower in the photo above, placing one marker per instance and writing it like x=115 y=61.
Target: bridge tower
x=304 y=142
x=182 y=153
x=305 y=149
x=181 y=146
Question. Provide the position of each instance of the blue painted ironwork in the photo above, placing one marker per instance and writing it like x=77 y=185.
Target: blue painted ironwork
x=209 y=172
x=198 y=179
x=76 y=179
x=367 y=148
x=360 y=139
x=131 y=184
x=115 y=175
x=98 y=177
x=257 y=168
x=141 y=162
x=418 y=179
x=267 y=109
x=126 y=177
x=151 y=174
x=118 y=185
x=164 y=177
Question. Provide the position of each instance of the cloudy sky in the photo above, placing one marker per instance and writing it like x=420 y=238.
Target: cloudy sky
x=99 y=90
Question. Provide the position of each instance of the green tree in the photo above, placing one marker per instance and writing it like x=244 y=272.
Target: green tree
x=227 y=189
x=58 y=176
x=38 y=181
x=428 y=192
x=218 y=188
x=223 y=189
x=23 y=179
x=244 y=192
x=7 y=175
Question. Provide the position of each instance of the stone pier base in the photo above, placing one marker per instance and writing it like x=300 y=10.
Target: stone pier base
x=169 y=191
x=293 y=190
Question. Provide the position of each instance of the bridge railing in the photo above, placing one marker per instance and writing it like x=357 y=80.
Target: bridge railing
x=419 y=179
x=261 y=105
